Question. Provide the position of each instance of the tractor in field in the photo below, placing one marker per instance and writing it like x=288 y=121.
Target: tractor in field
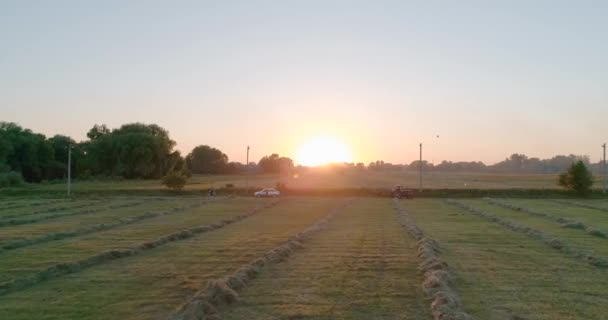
x=401 y=192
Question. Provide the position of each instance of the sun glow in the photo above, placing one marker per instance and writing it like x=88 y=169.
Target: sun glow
x=323 y=150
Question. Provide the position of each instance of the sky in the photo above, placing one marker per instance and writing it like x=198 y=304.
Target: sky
x=471 y=80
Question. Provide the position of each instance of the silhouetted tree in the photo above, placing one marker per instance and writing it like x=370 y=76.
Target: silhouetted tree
x=275 y=164
x=205 y=159
x=577 y=178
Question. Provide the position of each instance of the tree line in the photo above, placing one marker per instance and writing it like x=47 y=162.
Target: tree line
x=516 y=163
x=146 y=151
x=132 y=151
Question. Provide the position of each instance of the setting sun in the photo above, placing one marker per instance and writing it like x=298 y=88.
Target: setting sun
x=323 y=150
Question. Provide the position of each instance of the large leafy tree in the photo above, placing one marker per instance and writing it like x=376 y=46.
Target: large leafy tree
x=205 y=159
x=25 y=152
x=577 y=178
x=134 y=150
x=275 y=164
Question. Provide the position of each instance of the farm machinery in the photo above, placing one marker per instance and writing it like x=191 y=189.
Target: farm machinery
x=401 y=192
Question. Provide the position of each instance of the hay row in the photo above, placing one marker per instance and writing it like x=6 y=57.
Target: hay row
x=48 y=210
x=77 y=266
x=17 y=205
x=15 y=222
x=591 y=258
x=581 y=205
x=445 y=304
x=15 y=244
x=204 y=303
x=564 y=222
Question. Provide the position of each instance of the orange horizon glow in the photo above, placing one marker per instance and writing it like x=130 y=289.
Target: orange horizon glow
x=323 y=150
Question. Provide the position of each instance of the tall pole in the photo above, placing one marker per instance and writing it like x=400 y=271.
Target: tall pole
x=420 y=168
x=69 y=169
x=604 y=167
x=247 y=171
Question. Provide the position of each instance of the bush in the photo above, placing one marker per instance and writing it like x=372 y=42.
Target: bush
x=175 y=180
x=578 y=178
x=10 y=179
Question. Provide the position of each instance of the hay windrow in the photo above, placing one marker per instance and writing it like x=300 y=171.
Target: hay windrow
x=77 y=266
x=37 y=218
x=224 y=291
x=11 y=206
x=559 y=244
x=581 y=205
x=564 y=222
x=445 y=303
x=15 y=244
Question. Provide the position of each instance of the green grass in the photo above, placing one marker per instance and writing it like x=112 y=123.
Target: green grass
x=363 y=266
x=500 y=274
x=577 y=239
x=25 y=261
x=152 y=285
x=46 y=207
x=595 y=218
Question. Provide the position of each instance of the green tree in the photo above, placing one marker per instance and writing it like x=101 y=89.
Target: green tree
x=134 y=150
x=577 y=178
x=175 y=180
x=25 y=152
x=275 y=164
x=205 y=159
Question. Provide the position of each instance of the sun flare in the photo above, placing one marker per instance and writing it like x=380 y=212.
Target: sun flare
x=323 y=150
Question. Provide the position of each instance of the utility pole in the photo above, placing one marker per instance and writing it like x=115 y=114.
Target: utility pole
x=247 y=171
x=420 y=168
x=69 y=169
x=604 y=167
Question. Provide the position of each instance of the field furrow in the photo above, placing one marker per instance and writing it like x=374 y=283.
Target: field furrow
x=564 y=222
x=582 y=244
x=573 y=249
x=500 y=274
x=153 y=284
x=362 y=266
x=437 y=284
x=32 y=234
x=588 y=216
x=74 y=211
x=48 y=209
x=30 y=261
x=24 y=205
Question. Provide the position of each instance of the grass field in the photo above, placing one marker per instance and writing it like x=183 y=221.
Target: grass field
x=301 y=258
x=327 y=179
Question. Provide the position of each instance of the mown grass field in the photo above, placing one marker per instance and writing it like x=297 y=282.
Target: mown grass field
x=329 y=179
x=186 y=257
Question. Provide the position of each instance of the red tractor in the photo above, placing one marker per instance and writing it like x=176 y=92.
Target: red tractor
x=401 y=192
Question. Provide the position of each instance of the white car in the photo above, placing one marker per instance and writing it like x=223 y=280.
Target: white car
x=268 y=192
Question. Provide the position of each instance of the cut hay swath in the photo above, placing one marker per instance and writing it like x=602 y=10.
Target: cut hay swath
x=224 y=291
x=37 y=217
x=597 y=261
x=446 y=304
x=581 y=205
x=15 y=205
x=77 y=266
x=48 y=210
x=20 y=243
x=564 y=222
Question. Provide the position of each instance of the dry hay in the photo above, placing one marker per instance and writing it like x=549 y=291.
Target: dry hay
x=564 y=222
x=582 y=205
x=445 y=303
x=591 y=258
x=37 y=218
x=11 y=245
x=73 y=267
x=204 y=304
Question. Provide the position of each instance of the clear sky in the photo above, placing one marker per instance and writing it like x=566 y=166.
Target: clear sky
x=490 y=78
